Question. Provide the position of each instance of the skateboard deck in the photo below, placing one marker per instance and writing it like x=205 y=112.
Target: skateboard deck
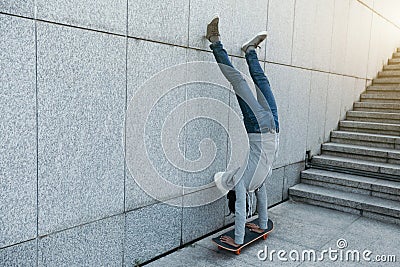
x=249 y=237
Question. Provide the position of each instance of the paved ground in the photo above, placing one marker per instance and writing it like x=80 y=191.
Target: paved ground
x=300 y=227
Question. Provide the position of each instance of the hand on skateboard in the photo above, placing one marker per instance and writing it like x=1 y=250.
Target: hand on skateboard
x=254 y=228
x=253 y=232
x=229 y=240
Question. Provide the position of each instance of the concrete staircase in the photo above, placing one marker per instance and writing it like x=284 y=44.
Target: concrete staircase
x=358 y=171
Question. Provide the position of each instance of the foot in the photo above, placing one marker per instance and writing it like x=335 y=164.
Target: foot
x=212 y=28
x=255 y=41
x=254 y=228
x=229 y=240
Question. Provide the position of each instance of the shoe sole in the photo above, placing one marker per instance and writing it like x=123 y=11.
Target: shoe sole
x=216 y=15
x=246 y=44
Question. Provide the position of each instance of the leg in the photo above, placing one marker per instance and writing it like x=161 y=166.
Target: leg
x=252 y=111
x=261 y=81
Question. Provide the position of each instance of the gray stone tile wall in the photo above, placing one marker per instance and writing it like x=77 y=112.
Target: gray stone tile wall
x=18 y=184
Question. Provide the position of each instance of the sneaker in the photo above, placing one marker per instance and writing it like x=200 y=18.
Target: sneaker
x=255 y=41
x=212 y=27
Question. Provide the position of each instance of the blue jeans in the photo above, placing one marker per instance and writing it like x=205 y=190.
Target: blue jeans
x=262 y=83
x=259 y=115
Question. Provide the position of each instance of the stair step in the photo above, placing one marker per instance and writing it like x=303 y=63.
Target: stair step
x=377 y=107
x=394 y=61
x=396 y=54
x=386 y=81
x=391 y=67
x=352 y=183
x=389 y=73
x=370 y=127
x=374 y=168
x=392 y=118
x=383 y=88
x=365 y=205
x=372 y=140
x=381 y=97
x=362 y=152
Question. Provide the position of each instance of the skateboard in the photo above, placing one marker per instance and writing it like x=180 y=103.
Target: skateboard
x=249 y=237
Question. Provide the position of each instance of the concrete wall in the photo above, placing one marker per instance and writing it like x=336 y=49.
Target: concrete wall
x=69 y=69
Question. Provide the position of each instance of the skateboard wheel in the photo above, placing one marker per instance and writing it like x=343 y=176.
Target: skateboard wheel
x=237 y=252
x=219 y=248
x=265 y=236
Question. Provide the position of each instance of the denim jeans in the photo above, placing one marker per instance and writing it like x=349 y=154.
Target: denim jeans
x=262 y=83
x=259 y=115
